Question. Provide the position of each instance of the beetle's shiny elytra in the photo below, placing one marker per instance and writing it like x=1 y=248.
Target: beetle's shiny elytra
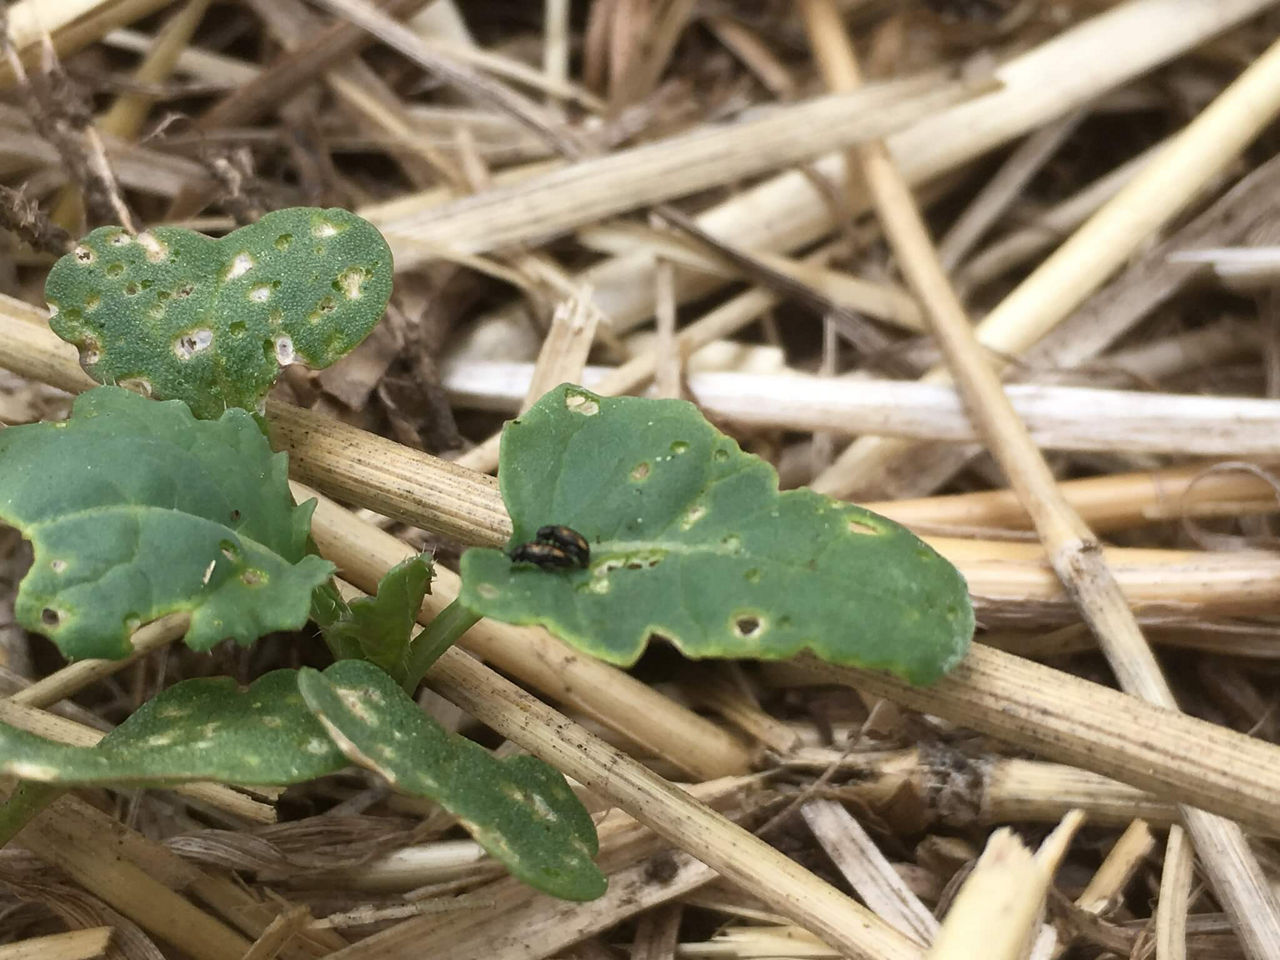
x=554 y=547
x=545 y=555
x=567 y=539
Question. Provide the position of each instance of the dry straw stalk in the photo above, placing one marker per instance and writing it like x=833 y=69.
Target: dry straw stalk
x=72 y=945
x=1072 y=548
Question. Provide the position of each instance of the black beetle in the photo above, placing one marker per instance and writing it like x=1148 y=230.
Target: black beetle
x=554 y=547
x=567 y=539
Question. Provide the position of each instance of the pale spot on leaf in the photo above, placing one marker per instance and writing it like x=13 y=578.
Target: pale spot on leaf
x=241 y=265
x=285 y=354
x=351 y=281
x=32 y=771
x=577 y=403
x=189 y=344
x=156 y=251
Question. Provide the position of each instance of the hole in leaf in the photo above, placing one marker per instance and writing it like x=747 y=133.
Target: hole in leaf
x=120 y=239
x=115 y=269
x=131 y=290
x=862 y=527
x=132 y=622
x=241 y=265
x=640 y=472
x=84 y=255
x=235 y=516
x=236 y=327
x=58 y=566
x=184 y=291
x=50 y=617
x=139 y=385
x=720 y=455
x=261 y=293
x=326 y=305
x=189 y=344
x=283 y=241
x=253 y=578
x=91 y=303
x=747 y=626
x=229 y=550
x=752 y=575
x=89 y=356
x=349 y=283
x=488 y=591
x=577 y=403
x=163 y=295
x=679 y=446
x=732 y=542
x=323 y=228
x=285 y=354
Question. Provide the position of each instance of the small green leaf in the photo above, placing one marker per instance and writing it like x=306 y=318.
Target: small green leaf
x=202 y=729
x=518 y=809
x=177 y=315
x=691 y=541
x=379 y=626
x=136 y=509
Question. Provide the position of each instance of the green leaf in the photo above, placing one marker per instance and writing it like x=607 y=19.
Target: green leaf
x=379 y=626
x=518 y=809
x=202 y=729
x=23 y=805
x=174 y=314
x=691 y=541
x=136 y=509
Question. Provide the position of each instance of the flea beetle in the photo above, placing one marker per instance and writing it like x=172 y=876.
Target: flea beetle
x=570 y=541
x=554 y=548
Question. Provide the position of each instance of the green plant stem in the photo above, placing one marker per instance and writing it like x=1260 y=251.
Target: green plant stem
x=440 y=634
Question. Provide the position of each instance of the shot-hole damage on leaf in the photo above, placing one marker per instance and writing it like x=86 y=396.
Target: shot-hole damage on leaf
x=202 y=729
x=518 y=808
x=861 y=526
x=141 y=523
x=691 y=539
x=186 y=312
x=581 y=403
